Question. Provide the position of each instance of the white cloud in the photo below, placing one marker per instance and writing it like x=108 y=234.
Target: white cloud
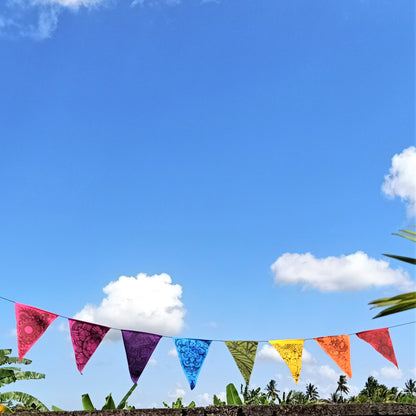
x=143 y=303
x=308 y=359
x=179 y=391
x=37 y=19
x=401 y=180
x=355 y=271
x=388 y=372
x=173 y=352
x=154 y=2
x=72 y=4
x=327 y=372
x=269 y=353
x=204 y=399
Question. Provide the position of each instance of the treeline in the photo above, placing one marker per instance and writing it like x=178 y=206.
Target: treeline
x=373 y=392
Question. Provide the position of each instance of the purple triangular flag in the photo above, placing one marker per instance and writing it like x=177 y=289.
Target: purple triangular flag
x=139 y=348
x=86 y=338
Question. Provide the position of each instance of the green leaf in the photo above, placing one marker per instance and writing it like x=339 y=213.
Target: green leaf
x=191 y=405
x=26 y=399
x=178 y=404
x=123 y=401
x=56 y=409
x=410 y=260
x=218 y=402
x=401 y=307
x=109 y=403
x=411 y=296
x=87 y=403
x=28 y=375
x=232 y=396
x=406 y=236
x=409 y=232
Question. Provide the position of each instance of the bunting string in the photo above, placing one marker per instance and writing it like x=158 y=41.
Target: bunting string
x=32 y=323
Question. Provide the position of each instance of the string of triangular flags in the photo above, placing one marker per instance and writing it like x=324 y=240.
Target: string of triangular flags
x=32 y=322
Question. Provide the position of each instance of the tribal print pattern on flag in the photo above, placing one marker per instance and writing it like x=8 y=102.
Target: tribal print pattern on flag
x=291 y=351
x=139 y=347
x=191 y=353
x=31 y=323
x=338 y=348
x=244 y=354
x=86 y=338
x=380 y=340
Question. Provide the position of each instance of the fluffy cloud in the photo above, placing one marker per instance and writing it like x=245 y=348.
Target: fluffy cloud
x=388 y=372
x=269 y=353
x=173 y=352
x=401 y=180
x=355 y=271
x=143 y=303
x=204 y=399
x=179 y=391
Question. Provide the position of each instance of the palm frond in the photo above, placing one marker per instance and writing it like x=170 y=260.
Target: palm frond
x=410 y=260
x=27 y=400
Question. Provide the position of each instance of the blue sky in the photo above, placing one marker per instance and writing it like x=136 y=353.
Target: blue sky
x=206 y=141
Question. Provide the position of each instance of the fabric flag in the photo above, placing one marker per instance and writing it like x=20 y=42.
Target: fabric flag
x=291 y=351
x=31 y=323
x=381 y=341
x=338 y=348
x=244 y=354
x=139 y=347
x=191 y=353
x=86 y=338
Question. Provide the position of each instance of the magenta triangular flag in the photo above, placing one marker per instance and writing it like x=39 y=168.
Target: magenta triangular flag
x=86 y=338
x=380 y=340
x=31 y=323
x=139 y=347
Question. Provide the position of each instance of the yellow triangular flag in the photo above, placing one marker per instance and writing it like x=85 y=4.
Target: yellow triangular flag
x=291 y=352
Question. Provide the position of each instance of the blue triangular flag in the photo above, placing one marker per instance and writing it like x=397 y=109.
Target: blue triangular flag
x=191 y=353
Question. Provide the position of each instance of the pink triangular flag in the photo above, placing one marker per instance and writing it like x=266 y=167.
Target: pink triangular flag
x=31 y=323
x=86 y=338
x=380 y=340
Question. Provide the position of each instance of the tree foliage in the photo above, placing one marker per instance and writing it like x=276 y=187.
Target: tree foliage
x=17 y=400
x=404 y=301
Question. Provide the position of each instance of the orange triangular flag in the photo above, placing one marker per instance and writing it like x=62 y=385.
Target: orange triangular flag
x=380 y=340
x=291 y=352
x=338 y=348
x=31 y=323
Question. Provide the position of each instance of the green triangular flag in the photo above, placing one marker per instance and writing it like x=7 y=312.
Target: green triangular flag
x=244 y=354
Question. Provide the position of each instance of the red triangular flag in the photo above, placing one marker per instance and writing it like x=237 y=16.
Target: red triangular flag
x=86 y=338
x=338 y=348
x=380 y=340
x=31 y=323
